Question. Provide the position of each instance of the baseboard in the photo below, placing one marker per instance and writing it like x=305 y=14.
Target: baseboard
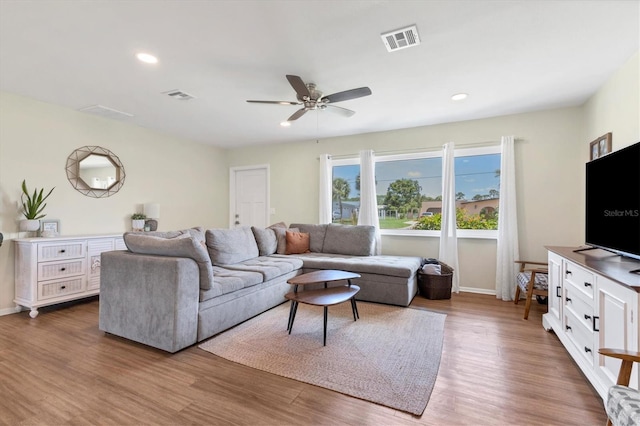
x=7 y=311
x=478 y=290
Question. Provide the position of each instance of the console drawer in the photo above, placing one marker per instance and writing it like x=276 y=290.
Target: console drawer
x=581 y=279
x=51 y=289
x=59 y=251
x=582 y=338
x=53 y=270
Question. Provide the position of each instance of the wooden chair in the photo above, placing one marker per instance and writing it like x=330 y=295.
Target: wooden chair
x=531 y=281
x=623 y=402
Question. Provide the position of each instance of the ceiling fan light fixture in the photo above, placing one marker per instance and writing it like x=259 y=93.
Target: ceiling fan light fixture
x=147 y=58
x=459 y=96
x=285 y=124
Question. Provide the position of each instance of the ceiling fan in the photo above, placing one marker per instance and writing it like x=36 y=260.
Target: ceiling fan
x=312 y=99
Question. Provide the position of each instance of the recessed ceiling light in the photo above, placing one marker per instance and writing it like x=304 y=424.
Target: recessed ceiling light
x=147 y=58
x=459 y=97
x=285 y=124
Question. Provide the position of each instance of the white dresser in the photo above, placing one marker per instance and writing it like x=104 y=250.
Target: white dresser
x=55 y=270
x=594 y=301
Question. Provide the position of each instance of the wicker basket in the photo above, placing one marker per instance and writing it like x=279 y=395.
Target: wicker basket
x=436 y=286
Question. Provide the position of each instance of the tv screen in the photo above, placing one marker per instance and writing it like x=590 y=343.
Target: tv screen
x=613 y=202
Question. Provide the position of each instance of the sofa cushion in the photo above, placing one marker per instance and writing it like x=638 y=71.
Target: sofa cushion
x=181 y=245
x=392 y=266
x=281 y=235
x=297 y=242
x=355 y=240
x=266 y=240
x=316 y=235
x=229 y=246
x=269 y=266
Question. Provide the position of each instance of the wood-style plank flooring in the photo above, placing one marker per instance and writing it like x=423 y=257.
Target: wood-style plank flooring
x=496 y=369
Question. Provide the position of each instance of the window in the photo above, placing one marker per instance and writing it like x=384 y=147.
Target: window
x=409 y=191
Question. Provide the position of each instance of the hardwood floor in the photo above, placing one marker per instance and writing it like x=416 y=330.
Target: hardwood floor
x=496 y=369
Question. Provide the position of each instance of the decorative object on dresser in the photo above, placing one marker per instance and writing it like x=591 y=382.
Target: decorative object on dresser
x=33 y=207
x=152 y=211
x=95 y=171
x=593 y=303
x=55 y=270
x=137 y=222
x=49 y=228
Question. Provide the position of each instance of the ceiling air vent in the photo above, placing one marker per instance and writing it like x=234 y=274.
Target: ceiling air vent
x=401 y=39
x=106 y=112
x=179 y=94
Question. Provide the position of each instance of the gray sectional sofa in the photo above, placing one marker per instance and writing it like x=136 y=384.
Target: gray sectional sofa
x=171 y=290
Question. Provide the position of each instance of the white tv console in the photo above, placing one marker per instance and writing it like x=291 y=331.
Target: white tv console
x=594 y=302
x=56 y=270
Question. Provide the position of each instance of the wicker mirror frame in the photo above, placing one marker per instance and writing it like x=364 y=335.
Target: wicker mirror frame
x=73 y=172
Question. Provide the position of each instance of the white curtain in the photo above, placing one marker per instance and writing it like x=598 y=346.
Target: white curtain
x=448 y=239
x=326 y=200
x=508 y=252
x=368 y=214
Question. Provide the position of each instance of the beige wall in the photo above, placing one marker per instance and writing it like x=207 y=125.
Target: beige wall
x=188 y=180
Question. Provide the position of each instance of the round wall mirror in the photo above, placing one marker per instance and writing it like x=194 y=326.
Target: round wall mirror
x=95 y=171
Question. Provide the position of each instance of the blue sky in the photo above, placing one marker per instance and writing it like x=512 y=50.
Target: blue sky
x=474 y=174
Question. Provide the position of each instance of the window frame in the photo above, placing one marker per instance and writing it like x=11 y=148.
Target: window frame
x=489 y=234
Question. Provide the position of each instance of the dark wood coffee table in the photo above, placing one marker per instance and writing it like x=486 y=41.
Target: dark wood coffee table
x=325 y=297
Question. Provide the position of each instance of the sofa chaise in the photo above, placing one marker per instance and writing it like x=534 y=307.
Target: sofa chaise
x=170 y=290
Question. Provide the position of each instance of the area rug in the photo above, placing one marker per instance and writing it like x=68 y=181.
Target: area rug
x=389 y=356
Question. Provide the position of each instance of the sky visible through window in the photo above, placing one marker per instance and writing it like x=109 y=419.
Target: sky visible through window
x=475 y=175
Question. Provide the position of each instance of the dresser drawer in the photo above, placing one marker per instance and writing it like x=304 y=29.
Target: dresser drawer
x=579 y=305
x=57 y=288
x=59 y=251
x=582 y=279
x=60 y=269
x=582 y=338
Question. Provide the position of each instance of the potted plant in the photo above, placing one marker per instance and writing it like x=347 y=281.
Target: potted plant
x=32 y=207
x=137 y=221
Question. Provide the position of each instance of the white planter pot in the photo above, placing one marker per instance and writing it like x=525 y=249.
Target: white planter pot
x=29 y=225
x=137 y=224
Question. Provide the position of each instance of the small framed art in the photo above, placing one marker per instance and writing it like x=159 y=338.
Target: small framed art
x=49 y=228
x=600 y=147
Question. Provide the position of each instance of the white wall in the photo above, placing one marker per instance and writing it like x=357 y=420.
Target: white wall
x=188 y=180
x=616 y=107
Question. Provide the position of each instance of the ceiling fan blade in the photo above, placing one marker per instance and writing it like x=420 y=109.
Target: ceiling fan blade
x=347 y=94
x=342 y=111
x=298 y=85
x=299 y=113
x=274 y=102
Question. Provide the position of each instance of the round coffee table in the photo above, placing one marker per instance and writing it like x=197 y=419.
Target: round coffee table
x=325 y=297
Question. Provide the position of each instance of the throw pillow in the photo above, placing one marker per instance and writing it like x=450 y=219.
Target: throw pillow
x=354 y=240
x=182 y=245
x=297 y=242
x=229 y=246
x=266 y=240
x=282 y=238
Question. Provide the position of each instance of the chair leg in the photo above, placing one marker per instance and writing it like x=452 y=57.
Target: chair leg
x=517 y=297
x=527 y=305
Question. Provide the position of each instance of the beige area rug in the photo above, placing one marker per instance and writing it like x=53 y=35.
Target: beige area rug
x=390 y=356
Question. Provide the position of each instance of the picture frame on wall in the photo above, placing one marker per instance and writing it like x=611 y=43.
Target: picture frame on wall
x=49 y=228
x=600 y=147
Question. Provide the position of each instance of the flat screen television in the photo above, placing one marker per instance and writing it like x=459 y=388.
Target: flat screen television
x=613 y=202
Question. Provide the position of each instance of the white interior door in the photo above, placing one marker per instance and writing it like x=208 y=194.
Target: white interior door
x=249 y=196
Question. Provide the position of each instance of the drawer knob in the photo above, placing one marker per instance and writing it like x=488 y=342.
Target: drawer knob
x=567 y=272
x=586 y=349
x=587 y=317
x=586 y=284
x=62 y=287
x=63 y=269
x=567 y=327
x=568 y=299
x=62 y=251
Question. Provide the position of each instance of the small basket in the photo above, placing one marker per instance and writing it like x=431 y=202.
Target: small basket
x=434 y=286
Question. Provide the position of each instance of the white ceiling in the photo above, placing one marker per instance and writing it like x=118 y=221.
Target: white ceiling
x=509 y=56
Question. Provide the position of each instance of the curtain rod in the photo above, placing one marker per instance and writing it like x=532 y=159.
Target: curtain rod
x=423 y=149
